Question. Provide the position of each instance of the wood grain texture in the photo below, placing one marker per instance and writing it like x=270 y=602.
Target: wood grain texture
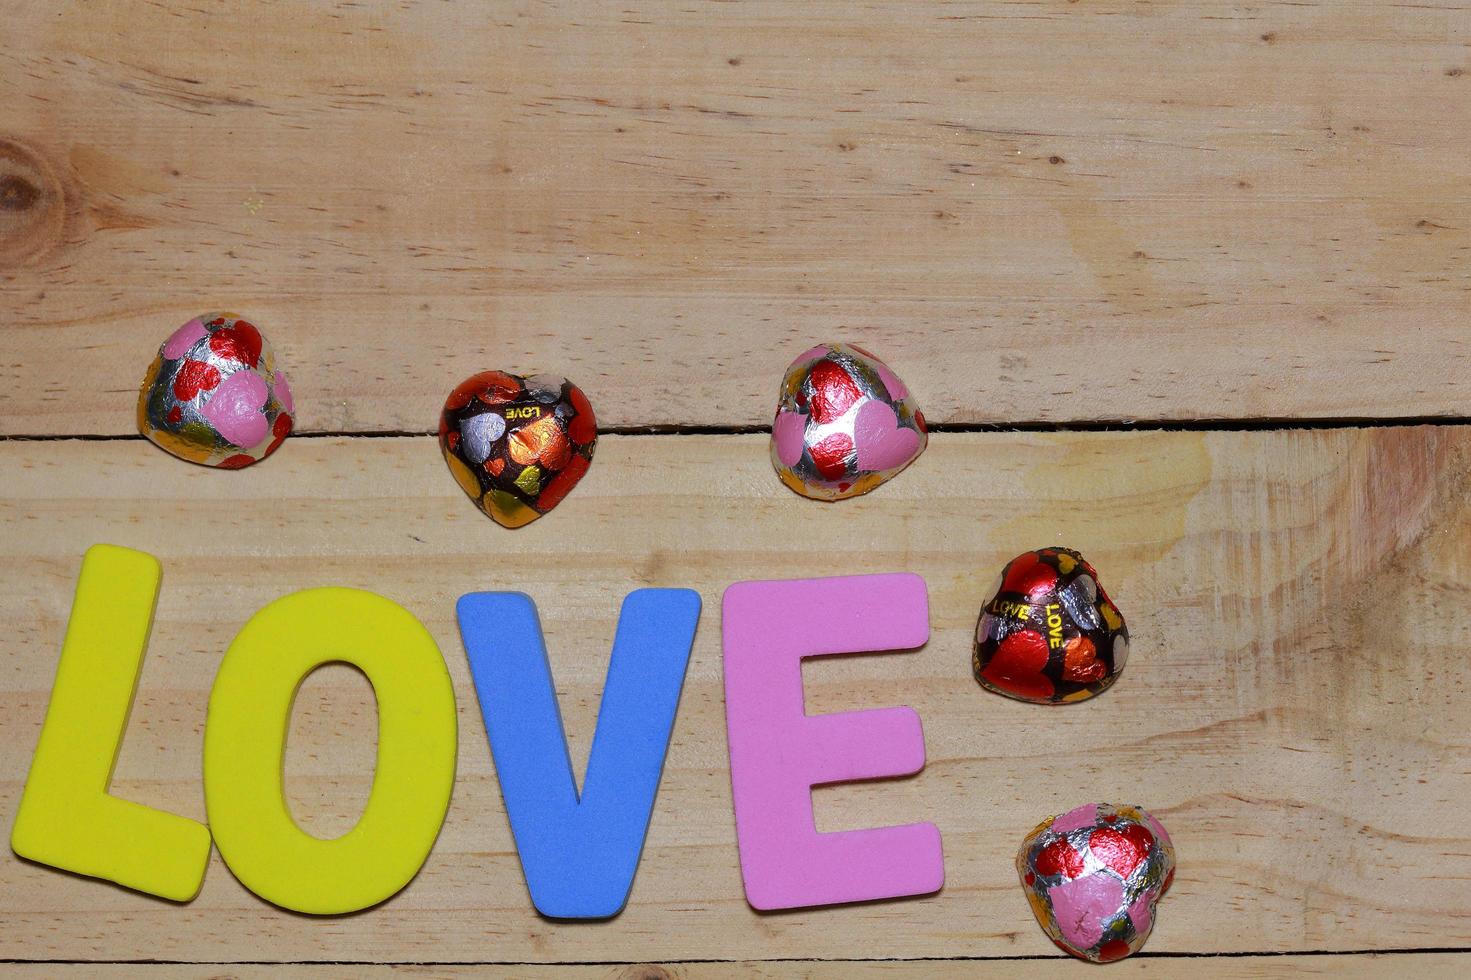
x=1430 y=966
x=1037 y=211
x=1294 y=709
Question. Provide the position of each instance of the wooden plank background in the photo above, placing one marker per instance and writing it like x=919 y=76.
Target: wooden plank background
x=1294 y=709
x=1097 y=210
x=1431 y=966
x=1242 y=227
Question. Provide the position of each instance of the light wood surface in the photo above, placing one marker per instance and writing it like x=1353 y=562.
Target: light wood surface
x=1294 y=709
x=1179 y=213
x=1430 y=966
x=1038 y=212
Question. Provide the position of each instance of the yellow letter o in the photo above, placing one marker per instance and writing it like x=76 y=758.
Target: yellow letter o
x=245 y=741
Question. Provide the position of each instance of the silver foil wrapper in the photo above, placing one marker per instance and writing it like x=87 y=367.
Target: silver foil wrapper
x=844 y=423
x=1093 y=876
x=214 y=394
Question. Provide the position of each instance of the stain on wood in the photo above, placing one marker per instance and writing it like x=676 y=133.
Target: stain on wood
x=1292 y=708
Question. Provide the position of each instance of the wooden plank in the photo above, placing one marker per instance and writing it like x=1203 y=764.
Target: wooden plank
x=1431 y=966
x=1293 y=709
x=667 y=202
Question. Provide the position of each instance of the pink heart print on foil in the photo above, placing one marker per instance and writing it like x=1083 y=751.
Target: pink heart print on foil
x=184 y=338
x=1076 y=819
x=808 y=356
x=235 y=408
x=1080 y=905
x=897 y=389
x=787 y=430
x=882 y=444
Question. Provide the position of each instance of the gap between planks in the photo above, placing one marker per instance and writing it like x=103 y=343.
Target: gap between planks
x=1099 y=425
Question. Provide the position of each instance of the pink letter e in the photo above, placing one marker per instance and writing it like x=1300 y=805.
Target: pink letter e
x=778 y=752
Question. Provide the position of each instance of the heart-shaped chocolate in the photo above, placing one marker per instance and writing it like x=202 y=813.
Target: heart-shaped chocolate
x=1093 y=876
x=214 y=395
x=517 y=445
x=1050 y=633
x=844 y=424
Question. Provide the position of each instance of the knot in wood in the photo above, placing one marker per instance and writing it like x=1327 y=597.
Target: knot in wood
x=32 y=205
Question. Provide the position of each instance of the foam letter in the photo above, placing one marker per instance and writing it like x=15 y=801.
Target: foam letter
x=778 y=752
x=579 y=854
x=66 y=817
x=245 y=738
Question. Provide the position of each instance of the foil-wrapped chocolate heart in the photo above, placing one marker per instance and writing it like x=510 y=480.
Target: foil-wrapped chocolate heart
x=844 y=424
x=1093 y=876
x=517 y=445
x=214 y=394
x=1049 y=633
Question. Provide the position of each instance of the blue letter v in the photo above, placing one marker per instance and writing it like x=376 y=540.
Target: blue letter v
x=579 y=854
